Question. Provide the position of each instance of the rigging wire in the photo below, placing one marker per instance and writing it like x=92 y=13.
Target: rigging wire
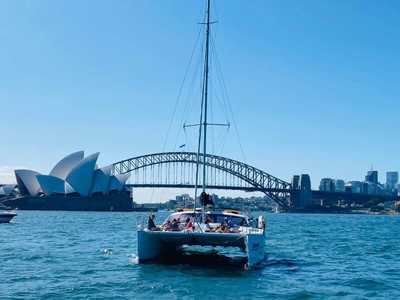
x=224 y=134
x=226 y=96
x=212 y=130
x=222 y=104
x=177 y=101
x=191 y=103
x=180 y=90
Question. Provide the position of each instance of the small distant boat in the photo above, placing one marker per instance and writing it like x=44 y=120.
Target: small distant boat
x=6 y=215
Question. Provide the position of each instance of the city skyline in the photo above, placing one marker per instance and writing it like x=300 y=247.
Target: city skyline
x=78 y=76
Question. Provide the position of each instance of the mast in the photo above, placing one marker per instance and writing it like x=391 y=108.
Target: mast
x=205 y=92
x=202 y=138
x=203 y=124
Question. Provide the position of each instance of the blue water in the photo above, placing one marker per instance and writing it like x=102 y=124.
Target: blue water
x=79 y=255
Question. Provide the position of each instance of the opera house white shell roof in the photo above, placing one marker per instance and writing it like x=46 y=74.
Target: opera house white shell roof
x=101 y=180
x=81 y=176
x=65 y=166
x=51 y=184
x=73 y=174
x=117 y=182
x=27 y=181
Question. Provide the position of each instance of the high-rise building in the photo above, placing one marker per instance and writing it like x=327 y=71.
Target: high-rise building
x=372 y=176
x=354 y=186
x=392 y=178
x=339 y=185
x=327 y=185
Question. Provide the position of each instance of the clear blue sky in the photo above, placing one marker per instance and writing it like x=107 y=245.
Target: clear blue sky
x=314 y=85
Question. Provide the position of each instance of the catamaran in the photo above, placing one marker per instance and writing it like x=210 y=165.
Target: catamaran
x=204 y=225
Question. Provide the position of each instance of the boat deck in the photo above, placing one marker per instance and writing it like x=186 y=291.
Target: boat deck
x=204 y=238
x=179 y=238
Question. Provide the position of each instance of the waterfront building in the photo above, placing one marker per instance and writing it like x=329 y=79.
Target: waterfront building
x=339 y=185
x=73 y=175
x=372 y=176
x=392 y=178
x=327 y=185
x=365 y=187
x=354 y=186
x=372 y=189
x=184 y=200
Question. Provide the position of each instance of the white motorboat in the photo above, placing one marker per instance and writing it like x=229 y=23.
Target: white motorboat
x=238 y=231
x=6 y=216
x=203 y=225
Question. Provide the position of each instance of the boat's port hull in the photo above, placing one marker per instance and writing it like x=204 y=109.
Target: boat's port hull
x=153 y=244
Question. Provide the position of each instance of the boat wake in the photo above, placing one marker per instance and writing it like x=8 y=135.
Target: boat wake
x=133 y=259
x=280 y=262
x=107 y=252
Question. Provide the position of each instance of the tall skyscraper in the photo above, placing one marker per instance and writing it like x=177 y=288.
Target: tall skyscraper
x=372 y=176
x=392 y=178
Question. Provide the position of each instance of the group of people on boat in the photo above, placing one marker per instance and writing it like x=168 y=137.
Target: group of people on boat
x=177 y=225
x=226 y=226
x=174 y=225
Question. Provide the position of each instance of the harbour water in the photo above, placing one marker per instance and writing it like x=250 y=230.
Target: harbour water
x=88 y=255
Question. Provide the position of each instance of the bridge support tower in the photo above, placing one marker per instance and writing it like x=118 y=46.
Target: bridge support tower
x=301 y=196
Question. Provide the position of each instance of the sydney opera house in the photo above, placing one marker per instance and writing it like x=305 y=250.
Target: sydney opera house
x=74 y=183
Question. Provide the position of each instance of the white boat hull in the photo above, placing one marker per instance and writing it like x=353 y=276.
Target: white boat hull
x=6 y=217
x=153 y=244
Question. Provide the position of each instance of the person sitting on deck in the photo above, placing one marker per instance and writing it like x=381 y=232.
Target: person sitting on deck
x=223 y=228
x=175 y=225
x=207 y=223
x=167 y=226
x=151 y=225
x=228 y=223
x=189 y=224
x=225 y=225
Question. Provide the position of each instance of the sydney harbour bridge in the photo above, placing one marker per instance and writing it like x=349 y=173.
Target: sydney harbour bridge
x=178 y=170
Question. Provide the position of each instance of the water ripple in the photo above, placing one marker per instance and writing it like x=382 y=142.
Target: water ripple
x=86 y=255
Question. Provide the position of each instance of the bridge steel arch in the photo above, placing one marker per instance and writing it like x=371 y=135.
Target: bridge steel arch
x=274 y=188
